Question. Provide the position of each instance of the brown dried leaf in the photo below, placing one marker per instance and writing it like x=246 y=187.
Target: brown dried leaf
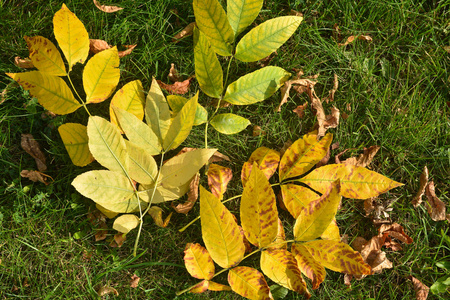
x=394 y=230
x=332 y=121
x=420 y=288
x=173 y=73
x=96 y=46
x=351 y=39
x=369 y=205
x=24 y=63
x=179 y=87
x=300 y=110
x=363 y=160
x=156 y=214
x=134 y=281
x=423 y=184
x=128 y=51
x=284 y=93
x=31 y=146
x=107 y=8
x=87 y=255
x=435 y=207
x=331 y=93
x=35 y=176
x=365 y=38
x=119 y=239
x=102 y=232
x=257 y=131
x=106 y=290
x=186 y=207
x=187 y=31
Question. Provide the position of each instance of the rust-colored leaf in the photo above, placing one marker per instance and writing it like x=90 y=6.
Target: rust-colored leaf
x=187 y=31
x=200 y=287
x=267 y=161
x=417 y=200
x=308 y=265
x=35 y=176
x=31 y=146
x=394 y=230
x=435 y=207
x=24 y=63
x=300 y=110
x=134 y=282
x=363 y=160
x=420 y=288
x=300 y=85
x=257 y=131
x=119 y=239
x=249 y=283
x=96 y=46
x=107 y=8
x=218 y=179
x=106 y=290
x=129 y=49
x=156 y=213
x=198 y=261
x=178 y=88
x=352 y=38
x=186 y=207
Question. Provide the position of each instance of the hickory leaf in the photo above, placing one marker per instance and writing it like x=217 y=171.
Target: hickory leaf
x=45 y=57
x=229 y=123
x=75 y=139
x=130 y=98
x=157 y=111
x=249 y=283
x=241 y=13
x=308 y=265
x=297 y=197
x=141 y=165
x=198 y=262
x=176 y=103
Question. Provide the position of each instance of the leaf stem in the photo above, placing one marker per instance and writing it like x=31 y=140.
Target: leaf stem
x=83 y=103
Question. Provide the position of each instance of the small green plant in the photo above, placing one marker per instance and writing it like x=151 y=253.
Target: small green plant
x=442 y=284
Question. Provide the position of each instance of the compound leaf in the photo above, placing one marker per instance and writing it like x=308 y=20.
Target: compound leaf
x=256 y=86
x=249 y=283
x=45 y=57
x=241 y=13
x=75 y=139
x=198 y=262
x=130 y=98
x=126 y=223
x=229 y=123
x=264 y=39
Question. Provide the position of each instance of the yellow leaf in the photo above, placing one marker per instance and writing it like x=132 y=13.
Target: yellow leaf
x=259 y=215
x=304 y=154
x=214 y=286
x=308 y=265
x=156 y=213
x=157 y=113
x=280 y=239
x=51 y=91
x=296 y=197
x=267 y=160
x=317 y=215
x=220 y=231
x=130 y=98
x=71 y=35
x=108 y=213
x=45 y=56
x=356 y=182
x=101 y=75
x=199 y=288
x=198 y=262
x=338 y=256
x=75 y=140
x=249 y=283
x=332 y=232
x=141 y=165
x=280 y=266
x=218 y=179
x=241 y=13
x=126 y=223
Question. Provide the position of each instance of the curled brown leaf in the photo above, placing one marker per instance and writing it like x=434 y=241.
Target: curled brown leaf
x=363 y=160
x=35 y=176
x=96 y=46
x=173 y=73
x=134 y=281
x=420 y=288
x=31 y=146
x=187 y=31
x=129 y=49
x=435 y=207
x=24 y=63
x=186 y=207
x=106 y=290
x=417 y=200
x=119 y=239
x=300 y=110
x=352 y=38
x=107 y=8
x=179 y=87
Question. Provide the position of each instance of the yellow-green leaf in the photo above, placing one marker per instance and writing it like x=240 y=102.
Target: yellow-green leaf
x=229 y=123
x=308 y=265
x=332 y=232
x=137 y=131
x=51 y=91
x=130 y=98
x=267 y=160
x=280 y=266
x=176 y=103
x=317 y=215
x=107 y=145
x=208 y=70
x=126 y=223
x=45 y=57
x=71 y=35
x=75 y=139
x=220 y=231
x=218 y=179
x=111 y=190
x=182 y=168
x=296 y=197
x=264 y=39
x=141 y=165
x=356 y=182
x=304 y=154
x=242 y=13
x=211 y=19
x=157 y=111
x=101 y=75
x=259 y=215
x=162 y=193
x=249 y=283
x=338 y=256
x=256 y=86
x=198 y=262
x=181 y=125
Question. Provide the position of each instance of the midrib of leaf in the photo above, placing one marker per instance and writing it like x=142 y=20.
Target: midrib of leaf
x=48 y=59
x=294 y=196
x=342 y=181
x=198 y=264
x=143 y=169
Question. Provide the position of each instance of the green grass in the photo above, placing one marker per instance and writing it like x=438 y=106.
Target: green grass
x=397 y=87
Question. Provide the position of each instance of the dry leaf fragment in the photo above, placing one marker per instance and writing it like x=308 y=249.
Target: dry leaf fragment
x=331 y=93
x=351 y=39
x=96 y=46
x=423 y=184
x=107 y=8
x=134 y=281
x=187 y=31
x=173 y=73
x=102 y=232
x=24 y=63
x=128 y=51
x=119 y=239
x=35 y=176
x=435 y=207
x=186 y=207
x=31 y=146
x=363 y=160
x=300 y=110
x=447 y=48
x=295 y=13
x=179 y=87
x=106 y=290
x=420 y=288
x=257 y=131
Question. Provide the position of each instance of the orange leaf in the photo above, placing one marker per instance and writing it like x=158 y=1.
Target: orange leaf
x=107 y=8
x=308 y=265
x=25 y=63
x=198 y=262
x=267 y=160
x=186 y=207
x=31 y=146
x=435 y=207
x=420 y=288
x=218 y=179
x=128 y=51
x=423 y=184
x=119 y=239
x=300 y=110
x=187 y=31
x=96 y=46
x=296 y=197
x=249 y=283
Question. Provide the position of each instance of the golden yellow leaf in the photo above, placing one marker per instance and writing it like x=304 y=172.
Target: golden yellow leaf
x=156 y=213
x=198 y=261
x=249 y=283
x=75 y=139
x=296 y=197
x=200 y=287
x=267 y=160
x=214 y=286
x=126 y=223
x=45 y=56
x=332 y=232
x=130 y=98
x=308 y=265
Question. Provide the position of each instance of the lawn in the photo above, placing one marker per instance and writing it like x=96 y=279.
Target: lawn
x=393 y=90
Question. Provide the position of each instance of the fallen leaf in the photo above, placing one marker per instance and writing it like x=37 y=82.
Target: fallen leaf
x=326 y=158
x=187 y=31
x=300 y=110
x=257 y=131
x=331 y=93
x=128 y=51
x=173 y=73
x=394 y=230
x=331 y=121
x=35 y=176
x=186 y=207
x=420 y=288
x=134 y=281
x=96 y=46
x=156 y=214
x=119 y=239
x=106 y=290
x=24 y=63
x=179 y=87
x=369 y=205
x=218 y=179
x=417 y=200
x=363 y=160
x=435 y=207
x=351 y=39
x=372 y=255
x=31 y=146
x=107 y=8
